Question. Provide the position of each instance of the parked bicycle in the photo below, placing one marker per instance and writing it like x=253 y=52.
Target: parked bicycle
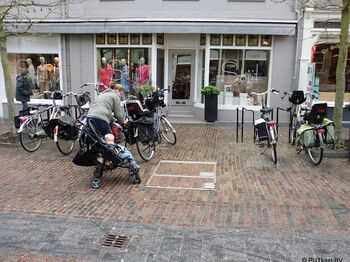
x=297 y=98
x=265 y=128
x=163 y=128
x=316 y=131
x=35 y=127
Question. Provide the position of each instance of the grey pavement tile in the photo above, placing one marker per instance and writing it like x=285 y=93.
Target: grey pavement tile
x=279 y=252
x=170 y=246
x=110 y=255
x=157 y=258
x=165 y=231
x=257 y=251
x=212 y=252
x=149 y=245
x=191 y=248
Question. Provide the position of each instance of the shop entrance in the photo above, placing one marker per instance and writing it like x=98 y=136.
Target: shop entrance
x=181 y=82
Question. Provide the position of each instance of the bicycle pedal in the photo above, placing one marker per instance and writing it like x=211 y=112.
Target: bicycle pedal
x=299 y=150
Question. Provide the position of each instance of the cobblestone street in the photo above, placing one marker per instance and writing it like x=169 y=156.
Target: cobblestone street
x=257 y=212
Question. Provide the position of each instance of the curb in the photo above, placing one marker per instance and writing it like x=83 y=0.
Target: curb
x=335 y=154
x=2 y=144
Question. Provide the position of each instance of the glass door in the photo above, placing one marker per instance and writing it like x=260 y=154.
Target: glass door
x=181 y=82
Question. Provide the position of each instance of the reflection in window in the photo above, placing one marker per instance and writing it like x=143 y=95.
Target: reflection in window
x=238 y=72
x=181 y=88
x=326 y=59
x=44 y=73
x=130 y=67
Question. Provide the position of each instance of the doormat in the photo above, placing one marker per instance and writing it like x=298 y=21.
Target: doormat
x=190 y=175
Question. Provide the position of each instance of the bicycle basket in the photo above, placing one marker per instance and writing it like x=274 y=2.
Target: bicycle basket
x=57 y=95
x=317 y=113
x=297 y=97
x=82 y=99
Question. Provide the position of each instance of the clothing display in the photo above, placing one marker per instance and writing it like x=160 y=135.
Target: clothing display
x=42 y=77
x=143 y=75
x=106 y=74
x=55 y=78
x=32 y=78
x=124 y=81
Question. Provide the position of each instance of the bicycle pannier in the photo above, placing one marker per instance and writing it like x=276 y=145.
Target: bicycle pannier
x=145 y=129
x=329 y=128
x=261 y=127
x=307 y=136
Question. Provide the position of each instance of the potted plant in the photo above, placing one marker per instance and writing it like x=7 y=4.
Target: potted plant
x=143 y=91
x=210 y=103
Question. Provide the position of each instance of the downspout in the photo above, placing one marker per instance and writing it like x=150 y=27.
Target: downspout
x=298 y=44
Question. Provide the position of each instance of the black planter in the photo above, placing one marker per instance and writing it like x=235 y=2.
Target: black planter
x=211 y=108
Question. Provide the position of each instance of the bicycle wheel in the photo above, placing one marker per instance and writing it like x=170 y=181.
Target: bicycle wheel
x=274 y=153
x=167 y=131
x=65 y=146
x=315 y=154
x=29 y=141
x=145 y=149
x=295 y=127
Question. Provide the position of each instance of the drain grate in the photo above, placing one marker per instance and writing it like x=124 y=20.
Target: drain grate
x=115 y=240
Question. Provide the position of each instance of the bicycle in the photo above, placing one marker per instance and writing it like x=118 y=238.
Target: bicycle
x=34 y=127
x=315 y=133
x=265 y=128
x=163 y=128
x=297 y=98
x=98 y=86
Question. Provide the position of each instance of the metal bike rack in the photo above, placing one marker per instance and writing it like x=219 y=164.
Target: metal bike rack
x=290 y=123
x=242 y=122
x=237 y=124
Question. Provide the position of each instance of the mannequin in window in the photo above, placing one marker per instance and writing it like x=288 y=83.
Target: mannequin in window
x=55 y=75
x=143 y=73
x=124 y=80
x=42 y=75
x=31 y=69
x=106 y=72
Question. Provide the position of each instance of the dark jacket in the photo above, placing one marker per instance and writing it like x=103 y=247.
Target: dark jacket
x=23 y=89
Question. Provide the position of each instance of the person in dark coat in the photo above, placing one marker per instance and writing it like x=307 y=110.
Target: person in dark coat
x=23 y=89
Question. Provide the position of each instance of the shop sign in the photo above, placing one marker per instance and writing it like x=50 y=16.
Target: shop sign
x=256 y=55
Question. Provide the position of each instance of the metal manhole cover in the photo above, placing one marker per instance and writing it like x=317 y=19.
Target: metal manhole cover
x=115 y=240
x=188 y=175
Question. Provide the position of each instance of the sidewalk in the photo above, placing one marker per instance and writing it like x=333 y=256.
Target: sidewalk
x=258 y=211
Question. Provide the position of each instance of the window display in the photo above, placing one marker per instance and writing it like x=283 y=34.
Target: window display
x=130 y=67
x=238 y=72
x=44 y=71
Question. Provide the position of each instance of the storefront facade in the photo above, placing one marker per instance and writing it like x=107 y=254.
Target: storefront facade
x=319 y=55
x=180 y=55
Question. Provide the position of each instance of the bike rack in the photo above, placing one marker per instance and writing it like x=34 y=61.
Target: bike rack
x=290 y=117
x=242 y=123
x=237 y=124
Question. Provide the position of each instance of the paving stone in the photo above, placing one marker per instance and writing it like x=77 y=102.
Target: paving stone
x=170 y=246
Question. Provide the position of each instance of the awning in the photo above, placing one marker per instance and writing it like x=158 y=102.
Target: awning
x=210 y=27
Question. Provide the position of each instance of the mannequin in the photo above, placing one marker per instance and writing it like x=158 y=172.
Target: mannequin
x=124 y=81
x=143 y=73
x=106 y=72
x=42 y=75
x=31 y=69
x=55 y=75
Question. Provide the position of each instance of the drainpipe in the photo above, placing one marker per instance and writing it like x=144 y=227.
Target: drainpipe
x=298 y=44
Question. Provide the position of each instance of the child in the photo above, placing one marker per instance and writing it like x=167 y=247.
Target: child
x=121 y=151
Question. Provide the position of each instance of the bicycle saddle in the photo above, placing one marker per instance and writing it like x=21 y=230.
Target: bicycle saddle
x=266 y=110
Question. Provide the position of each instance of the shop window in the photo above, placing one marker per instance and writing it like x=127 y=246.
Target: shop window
x=44 y=73
x=101 y=39
x=227 y=40
x=266 y=40
x=238 y=72
x=215 y=39
x=203 y=39
x=241 y=40
x=253 y=40
x=326 y=59
x=130 y=67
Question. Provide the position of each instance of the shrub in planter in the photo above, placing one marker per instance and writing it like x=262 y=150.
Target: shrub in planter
x=210 y=103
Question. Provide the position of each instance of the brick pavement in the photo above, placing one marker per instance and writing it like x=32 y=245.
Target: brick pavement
x=294 y=199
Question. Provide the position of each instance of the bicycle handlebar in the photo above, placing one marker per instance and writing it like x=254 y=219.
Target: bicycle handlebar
x=263 y=93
